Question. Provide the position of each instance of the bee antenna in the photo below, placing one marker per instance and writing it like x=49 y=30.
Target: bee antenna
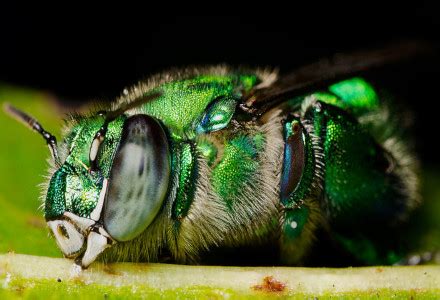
x=33 y=124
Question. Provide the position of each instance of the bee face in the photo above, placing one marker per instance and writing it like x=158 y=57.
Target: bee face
x=74 y=187
x=117 y=200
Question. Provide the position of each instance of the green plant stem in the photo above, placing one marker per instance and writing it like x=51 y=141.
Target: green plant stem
x=24 y=274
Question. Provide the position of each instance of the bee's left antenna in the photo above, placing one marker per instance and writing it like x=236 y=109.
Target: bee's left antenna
x=33 y=124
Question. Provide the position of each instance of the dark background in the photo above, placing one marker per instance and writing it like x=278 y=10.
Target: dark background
x=87 y=53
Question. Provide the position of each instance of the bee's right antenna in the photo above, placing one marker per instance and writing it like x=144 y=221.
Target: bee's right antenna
x=33 y=124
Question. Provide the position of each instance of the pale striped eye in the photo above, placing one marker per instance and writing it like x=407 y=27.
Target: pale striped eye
x=139 y=178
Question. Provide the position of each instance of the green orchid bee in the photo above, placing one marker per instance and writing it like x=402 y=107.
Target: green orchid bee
x=197 y=160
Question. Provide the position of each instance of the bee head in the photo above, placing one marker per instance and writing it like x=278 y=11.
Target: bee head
x=116 y=178
x=111 y=178
x=77 y=189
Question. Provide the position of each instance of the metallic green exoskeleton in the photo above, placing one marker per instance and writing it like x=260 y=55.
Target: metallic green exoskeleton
x=211 y=158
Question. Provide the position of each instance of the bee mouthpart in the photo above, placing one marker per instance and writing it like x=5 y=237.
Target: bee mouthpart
x=97 y=241
x=69 y=239
x=71 y=232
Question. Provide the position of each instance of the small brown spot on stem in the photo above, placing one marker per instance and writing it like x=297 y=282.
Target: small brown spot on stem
x=78 y=280
x=379 y=270
x=107 y=269
x=19 y=289
x=270 y=284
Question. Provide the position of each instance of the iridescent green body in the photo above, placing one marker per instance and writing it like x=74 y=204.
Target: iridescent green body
x=238 y=182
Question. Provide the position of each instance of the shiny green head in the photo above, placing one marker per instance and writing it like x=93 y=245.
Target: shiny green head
x=74 y=187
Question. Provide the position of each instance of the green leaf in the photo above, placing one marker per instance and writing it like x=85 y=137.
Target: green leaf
x=23 y=165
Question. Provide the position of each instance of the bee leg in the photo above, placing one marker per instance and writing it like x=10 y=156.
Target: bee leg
x=97 y=241
x=298 y=228
x=300 y=186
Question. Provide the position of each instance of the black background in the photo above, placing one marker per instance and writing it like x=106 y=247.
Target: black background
x=83 y=53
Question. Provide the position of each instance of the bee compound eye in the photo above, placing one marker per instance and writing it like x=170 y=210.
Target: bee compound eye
x=69 y=239
x=139 y=178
